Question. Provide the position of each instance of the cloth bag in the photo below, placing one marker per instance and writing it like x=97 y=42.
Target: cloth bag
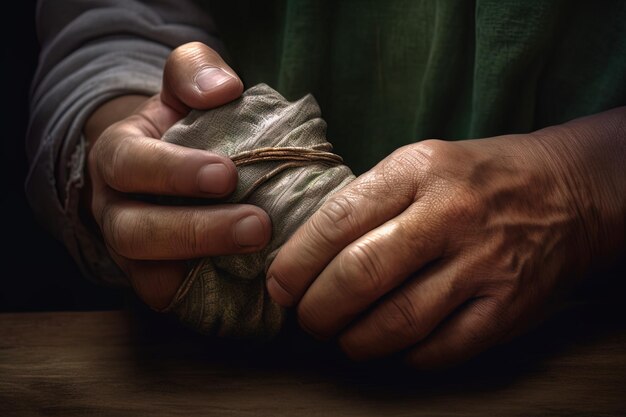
x=285 y=167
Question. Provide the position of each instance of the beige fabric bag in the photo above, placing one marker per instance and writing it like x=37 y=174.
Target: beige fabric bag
x=285 y=167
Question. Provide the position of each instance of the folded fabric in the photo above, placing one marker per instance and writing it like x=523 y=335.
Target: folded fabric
x=286 y=167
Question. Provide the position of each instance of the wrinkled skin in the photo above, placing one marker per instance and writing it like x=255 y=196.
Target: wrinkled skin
x=440 y=251
x=152 y=243
x=446 y=248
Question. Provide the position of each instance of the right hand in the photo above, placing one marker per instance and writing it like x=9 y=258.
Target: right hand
x=151 y=242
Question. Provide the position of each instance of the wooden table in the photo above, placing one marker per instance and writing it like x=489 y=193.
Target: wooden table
x=129 y=363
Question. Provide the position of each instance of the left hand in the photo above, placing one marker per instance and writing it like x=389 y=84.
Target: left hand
x=440 y=251
x=152 y=243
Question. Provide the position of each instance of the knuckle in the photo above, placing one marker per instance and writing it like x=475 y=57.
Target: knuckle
x=361 y=272
x=427 y=154
x=115 y=164
x=286 y=284
x=190 y=230
x=336 y=218
x=195 y=53
x=284 y=271
x=397 y=177
x=491 y=325
x=454 y=196
x=127 y=234
x=413 y=168
x=125 y=166
x=401 y=318
x=404 y=163
x=112 y=229
x=435 y=161
x=308 y=320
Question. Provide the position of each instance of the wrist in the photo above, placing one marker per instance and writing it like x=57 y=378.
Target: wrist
x=587 y=156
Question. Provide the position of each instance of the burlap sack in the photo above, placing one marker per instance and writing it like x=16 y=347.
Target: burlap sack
x=285 y=167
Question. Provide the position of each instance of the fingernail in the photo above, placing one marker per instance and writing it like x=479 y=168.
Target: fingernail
x=278 y=293
x=249 y=231
x=214 y=179
x=211 y=78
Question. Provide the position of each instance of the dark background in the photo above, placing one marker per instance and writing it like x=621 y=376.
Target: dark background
x=37 y=272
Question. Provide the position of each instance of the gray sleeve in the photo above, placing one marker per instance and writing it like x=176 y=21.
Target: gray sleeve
x=91 y=52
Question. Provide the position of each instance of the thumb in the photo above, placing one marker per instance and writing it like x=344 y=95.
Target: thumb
x=196 y=77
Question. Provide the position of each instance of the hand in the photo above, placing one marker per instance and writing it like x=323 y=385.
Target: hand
x=151 y=242
x=446 y=248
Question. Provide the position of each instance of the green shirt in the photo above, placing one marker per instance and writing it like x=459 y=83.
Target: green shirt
x=392 y=72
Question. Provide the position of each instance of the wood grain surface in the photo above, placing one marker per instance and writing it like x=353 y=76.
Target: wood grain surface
x=124 y=363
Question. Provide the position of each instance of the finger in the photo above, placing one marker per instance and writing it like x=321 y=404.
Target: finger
x=369 y=268
x=145 y=165
x=142 y=231
x=154 y=282
x=408 y=315
x=470 y=331
x=152 y=119
x=343 y=218
x=196 y=77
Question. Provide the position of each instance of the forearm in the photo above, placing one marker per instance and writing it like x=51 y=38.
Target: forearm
x=590 y=156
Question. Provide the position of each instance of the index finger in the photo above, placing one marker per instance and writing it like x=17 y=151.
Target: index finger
x=367 y=269
x=341 y=220
x=139 y=164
